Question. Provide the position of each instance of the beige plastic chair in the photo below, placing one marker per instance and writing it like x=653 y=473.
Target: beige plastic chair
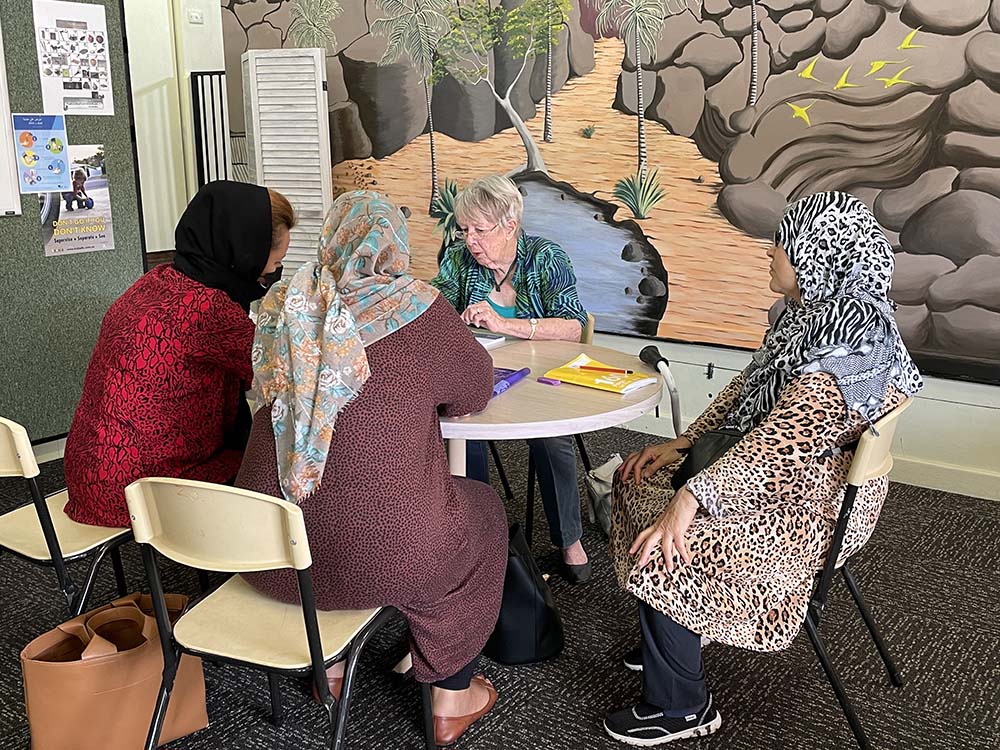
x=872 y=460
x=41 y=532
x=221 y=528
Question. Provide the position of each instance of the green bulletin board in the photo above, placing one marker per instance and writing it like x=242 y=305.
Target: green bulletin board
x=53 y=306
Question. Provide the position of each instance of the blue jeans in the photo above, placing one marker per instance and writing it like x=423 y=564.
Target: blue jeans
x=555 y=464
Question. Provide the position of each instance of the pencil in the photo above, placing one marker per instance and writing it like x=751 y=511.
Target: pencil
x=606 y=369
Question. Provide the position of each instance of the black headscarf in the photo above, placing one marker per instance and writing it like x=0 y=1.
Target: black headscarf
x=224 y=237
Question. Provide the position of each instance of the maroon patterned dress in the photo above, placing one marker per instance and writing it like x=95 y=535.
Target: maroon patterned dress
x=389 y=525
x=162 y=390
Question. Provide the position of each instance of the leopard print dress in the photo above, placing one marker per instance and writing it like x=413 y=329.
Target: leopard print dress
x=767 y=512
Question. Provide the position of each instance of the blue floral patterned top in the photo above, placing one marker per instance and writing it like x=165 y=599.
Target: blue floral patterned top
x=543 y=279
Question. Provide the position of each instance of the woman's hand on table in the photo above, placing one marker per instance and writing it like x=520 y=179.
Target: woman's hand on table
x=482 y=315
x=669 y=531
x=643 y=464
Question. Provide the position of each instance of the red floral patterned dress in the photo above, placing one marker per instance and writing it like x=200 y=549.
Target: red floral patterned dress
x=163 y=387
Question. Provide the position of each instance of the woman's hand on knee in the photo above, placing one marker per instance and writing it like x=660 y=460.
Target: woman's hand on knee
x=643 y=464
x=669 y=532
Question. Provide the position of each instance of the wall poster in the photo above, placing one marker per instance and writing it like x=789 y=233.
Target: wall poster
x=78 y=220
x=41 y=157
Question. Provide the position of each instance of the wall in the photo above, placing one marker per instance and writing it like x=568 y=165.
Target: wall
x=159 y=135
x=947 y=440
x=165 y=47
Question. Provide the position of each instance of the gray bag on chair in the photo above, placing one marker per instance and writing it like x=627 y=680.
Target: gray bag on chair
x=598 y=481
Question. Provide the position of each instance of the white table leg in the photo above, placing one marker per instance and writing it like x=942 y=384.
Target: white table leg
x=456 y=457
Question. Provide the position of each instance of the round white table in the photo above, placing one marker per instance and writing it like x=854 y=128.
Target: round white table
x=530 y=409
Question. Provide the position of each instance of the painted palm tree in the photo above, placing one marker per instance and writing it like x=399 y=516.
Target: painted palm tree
x=477 y=29
x=414 y=28
x=754 y=39
x=561 y=13
x=640 y=22
x=312 y=23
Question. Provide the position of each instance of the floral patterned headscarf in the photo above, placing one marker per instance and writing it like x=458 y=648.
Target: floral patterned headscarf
x=309 y=352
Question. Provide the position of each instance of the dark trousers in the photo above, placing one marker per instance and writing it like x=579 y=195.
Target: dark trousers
x=461 y=679
x=672 y=672
x=555 y=464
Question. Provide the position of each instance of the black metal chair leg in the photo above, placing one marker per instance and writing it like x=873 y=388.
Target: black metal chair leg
x=507 y=491
x=430 y=740
x=277 y=710
x=529 y=511
x=340 y=726
x=866 y=615
x=116 y=563
x=88 y=584
x=159 y=715
x=584 y=457
x=838 y=686
x=203 y=581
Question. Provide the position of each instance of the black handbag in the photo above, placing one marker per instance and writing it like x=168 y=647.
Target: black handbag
x=529 y=628
x=706 y=450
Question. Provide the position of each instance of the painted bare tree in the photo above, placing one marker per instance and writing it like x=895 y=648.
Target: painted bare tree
x=638 y=22
x=553 y=9
x=754 y=41
x=478 y=30
x=414 y=28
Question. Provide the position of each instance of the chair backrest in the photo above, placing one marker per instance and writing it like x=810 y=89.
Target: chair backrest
x=217 y=527
x=873 y=457
x=587 y=333
x=17 y=459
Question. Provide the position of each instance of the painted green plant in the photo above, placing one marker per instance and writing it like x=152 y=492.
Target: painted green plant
x=413 y=29
x=588 y=132
x=312 y=23
x=640 y=193
x=443 y=209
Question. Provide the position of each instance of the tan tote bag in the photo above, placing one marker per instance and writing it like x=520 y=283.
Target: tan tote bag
x=91 y=683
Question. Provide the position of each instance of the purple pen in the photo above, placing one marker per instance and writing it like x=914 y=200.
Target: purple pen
x=508 y=381
x=549 y=381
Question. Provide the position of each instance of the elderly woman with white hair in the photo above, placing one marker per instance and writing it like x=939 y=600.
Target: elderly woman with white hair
x=508 y=282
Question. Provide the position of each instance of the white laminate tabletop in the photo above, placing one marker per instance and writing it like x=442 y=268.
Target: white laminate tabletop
x=530 y=409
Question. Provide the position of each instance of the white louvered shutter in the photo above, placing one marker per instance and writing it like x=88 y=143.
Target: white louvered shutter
x=288 y=138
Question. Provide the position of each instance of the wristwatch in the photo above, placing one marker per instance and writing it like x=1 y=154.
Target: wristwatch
x=533 y=322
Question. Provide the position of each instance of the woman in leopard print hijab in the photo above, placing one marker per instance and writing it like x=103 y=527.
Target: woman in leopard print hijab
x=732 y=555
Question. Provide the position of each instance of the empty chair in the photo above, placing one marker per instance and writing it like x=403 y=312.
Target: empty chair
x=41 y=532
x=227 y=529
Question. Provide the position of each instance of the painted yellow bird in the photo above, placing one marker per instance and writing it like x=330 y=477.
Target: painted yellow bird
x=801 y=112
x=808 y=72
x=908 y=41
x=877 y=65
x=842 y=83
x=890 y=82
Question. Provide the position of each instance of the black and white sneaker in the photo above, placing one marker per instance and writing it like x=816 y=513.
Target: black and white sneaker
x=633 y=659
x=644 y=725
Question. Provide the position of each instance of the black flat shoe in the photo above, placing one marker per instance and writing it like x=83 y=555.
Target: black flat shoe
x=576 y=574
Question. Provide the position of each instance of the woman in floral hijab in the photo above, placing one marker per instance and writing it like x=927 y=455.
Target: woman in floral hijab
x=356 y=360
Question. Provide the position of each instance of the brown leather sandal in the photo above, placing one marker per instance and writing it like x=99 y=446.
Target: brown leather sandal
x=448 y=729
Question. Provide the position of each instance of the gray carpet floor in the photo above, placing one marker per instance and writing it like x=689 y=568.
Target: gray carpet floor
x=929 y=573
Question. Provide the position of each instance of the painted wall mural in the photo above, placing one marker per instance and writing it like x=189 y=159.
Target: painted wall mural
x=659 y=140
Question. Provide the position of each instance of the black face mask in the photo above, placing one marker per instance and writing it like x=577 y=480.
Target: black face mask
x=270 y=279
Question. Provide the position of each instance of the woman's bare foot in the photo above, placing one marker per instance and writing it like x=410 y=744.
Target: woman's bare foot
x=459 y=702
x=575 y=554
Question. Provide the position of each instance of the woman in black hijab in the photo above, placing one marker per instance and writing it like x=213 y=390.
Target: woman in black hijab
x=164 y=392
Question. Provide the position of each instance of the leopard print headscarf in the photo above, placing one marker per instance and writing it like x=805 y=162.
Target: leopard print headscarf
x=844 y=325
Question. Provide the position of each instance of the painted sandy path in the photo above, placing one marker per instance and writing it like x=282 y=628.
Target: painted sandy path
x=718 y=275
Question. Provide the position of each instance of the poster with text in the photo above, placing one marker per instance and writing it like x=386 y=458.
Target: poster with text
x=78 y=220
x=41 y=154
x=73 y=61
